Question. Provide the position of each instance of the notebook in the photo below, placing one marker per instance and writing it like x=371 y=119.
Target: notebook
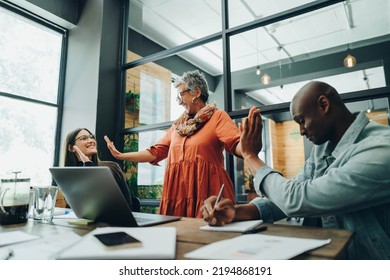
x=241 y=226
x=93 y=194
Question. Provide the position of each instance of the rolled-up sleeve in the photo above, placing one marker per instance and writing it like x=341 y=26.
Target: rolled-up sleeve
x=227 y=132
x=161 y=149
x=269 y=212
x=261 y=173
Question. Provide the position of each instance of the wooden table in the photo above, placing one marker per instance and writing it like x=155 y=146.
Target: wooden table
x=190 y=237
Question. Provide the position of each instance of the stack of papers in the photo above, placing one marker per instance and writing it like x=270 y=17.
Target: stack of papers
x=256 y=247
x=157 y=243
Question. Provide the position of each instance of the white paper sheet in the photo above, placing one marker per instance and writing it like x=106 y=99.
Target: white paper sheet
x=42 y=248
x=157 y=243
x=234 y=227
x=16 y=236
x=256 y=247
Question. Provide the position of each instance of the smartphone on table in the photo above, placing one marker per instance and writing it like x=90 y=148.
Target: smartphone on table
x=118 y=240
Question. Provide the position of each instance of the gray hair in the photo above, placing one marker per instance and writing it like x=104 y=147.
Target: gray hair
x=192 y=80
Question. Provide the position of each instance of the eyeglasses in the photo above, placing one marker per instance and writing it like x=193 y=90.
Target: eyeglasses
x=86 y=137
x=180 y=95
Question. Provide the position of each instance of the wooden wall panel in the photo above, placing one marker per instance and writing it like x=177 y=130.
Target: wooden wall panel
x=381 y=117
x=287 y=147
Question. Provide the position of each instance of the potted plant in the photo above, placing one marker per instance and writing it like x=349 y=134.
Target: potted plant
x=132 y=101
x=249 y=185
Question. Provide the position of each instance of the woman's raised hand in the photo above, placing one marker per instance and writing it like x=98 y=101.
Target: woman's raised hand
x=110 y=145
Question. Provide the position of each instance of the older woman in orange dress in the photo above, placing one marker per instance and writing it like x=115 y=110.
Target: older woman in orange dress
x=194 y=148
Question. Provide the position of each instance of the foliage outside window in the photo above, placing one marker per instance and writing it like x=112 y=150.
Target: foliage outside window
x=150 y=191
x=132 y=101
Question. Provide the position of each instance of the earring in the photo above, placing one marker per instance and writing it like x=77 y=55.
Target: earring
x=194 y=99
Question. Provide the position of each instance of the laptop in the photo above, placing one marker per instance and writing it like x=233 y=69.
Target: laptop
x=93 y=194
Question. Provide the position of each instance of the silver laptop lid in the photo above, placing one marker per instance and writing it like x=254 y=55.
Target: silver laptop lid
x=93 y=193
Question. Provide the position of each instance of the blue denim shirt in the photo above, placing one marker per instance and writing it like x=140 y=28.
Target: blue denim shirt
x=350 y=182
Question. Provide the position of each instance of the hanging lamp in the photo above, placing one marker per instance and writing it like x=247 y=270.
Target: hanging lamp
x=349 y=60
x=265 y=79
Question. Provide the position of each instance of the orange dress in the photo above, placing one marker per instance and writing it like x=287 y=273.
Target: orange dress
x=195 y=166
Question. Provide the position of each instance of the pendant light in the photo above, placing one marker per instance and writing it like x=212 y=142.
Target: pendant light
x=349 y=60
x=265 y=79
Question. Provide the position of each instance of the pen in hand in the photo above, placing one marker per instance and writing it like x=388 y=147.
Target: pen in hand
x=208 y=210
x=219 y=195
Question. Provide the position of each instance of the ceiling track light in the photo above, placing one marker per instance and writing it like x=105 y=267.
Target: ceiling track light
x=258 y=71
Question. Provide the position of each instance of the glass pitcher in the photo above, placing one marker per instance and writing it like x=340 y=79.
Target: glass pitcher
x=14 y=200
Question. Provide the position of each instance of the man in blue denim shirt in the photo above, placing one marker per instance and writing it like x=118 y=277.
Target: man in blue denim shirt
x=346 y=176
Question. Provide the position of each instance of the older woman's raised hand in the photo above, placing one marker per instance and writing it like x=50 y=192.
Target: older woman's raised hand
x=110 y=145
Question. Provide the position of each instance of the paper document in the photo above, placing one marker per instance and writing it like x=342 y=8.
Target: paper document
x=234 y=227
x=66 y=213
x=157 y=243
x=42 y=248
x=256 y=247
x=17 y=236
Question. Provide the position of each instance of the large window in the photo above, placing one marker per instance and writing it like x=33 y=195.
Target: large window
x=256 y=53
x=30 y=67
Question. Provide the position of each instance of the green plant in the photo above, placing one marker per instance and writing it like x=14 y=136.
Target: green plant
x=129 y=167
x=150 y=192
x=130 y=145
x=150 y=210
x=249 y=180
x=132 y=101
x=132 y=183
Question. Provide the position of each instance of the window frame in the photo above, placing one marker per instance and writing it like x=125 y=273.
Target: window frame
x=223 y=35
x=61 y=81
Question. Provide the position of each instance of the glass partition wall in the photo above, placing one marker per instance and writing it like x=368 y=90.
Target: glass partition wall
x=253 y=53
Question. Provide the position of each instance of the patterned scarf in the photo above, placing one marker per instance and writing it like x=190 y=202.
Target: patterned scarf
x=186 y=127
